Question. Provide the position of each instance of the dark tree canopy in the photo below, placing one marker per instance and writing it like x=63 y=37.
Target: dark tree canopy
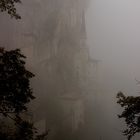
x=24 y=131
x=15 y=94
x=15 y=91
x=9 y=7
x=131 y=113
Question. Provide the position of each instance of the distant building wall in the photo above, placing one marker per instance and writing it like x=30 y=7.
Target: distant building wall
x=54 y=39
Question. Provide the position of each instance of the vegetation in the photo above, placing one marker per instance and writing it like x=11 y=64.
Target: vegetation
x=9 y=7
x=14 y=79
x=131 y=113
x=15 y=91
x=15 y=94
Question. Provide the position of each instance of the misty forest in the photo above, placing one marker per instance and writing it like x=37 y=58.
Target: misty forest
x=69 y=70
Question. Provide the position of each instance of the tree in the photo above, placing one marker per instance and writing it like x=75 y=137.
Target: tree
x=14 y=83
x=15 y=95
x=131 y=113
x=15 y=91
x=9 y=7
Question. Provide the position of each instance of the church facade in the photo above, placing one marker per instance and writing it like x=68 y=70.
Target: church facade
x=54 y=40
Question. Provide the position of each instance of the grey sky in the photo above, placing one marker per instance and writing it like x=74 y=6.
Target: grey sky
x=114 y=38
x=113 y=35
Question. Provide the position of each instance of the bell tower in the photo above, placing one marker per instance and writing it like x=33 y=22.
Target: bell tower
x=56 y=36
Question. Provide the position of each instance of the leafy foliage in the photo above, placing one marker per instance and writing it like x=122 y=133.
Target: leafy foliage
x=9 y=7
x=15 y=94
x=131 y=113
x=25 y=130
x=15 y=91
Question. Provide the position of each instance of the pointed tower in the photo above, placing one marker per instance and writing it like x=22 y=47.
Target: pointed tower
x=56 y=35
x=62 y=50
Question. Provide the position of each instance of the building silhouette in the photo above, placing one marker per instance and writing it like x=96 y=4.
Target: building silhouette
x=54 y=40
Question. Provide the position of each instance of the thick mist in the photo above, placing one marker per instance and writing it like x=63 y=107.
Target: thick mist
x=113 y=36
x=82 y=53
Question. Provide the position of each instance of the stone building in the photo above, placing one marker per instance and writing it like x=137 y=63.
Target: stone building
x=54 y=40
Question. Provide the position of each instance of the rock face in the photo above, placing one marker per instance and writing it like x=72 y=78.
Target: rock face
x=55 y=37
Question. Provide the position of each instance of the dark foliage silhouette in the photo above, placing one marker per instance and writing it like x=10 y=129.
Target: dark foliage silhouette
x=131 y=113
x=9 y=7
x=15 y=94
x=14 y=83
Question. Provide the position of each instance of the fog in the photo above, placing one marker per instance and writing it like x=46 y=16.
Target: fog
x=113 y=36
x=82 y=54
